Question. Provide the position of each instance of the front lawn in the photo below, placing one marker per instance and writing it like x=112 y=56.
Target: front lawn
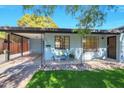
x=78 y=79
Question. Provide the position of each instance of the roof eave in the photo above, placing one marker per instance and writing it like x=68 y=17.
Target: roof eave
x=49 y=30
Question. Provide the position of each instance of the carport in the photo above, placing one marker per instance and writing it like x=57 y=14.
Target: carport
x=24 y=33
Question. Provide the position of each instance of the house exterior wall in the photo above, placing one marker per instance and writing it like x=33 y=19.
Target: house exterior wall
x=118 y=44
x=102 y=49
x=76 y=47
x=121 y=50
x=35 y=46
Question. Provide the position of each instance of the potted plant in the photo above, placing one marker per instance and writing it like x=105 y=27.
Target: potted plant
x=71 y=56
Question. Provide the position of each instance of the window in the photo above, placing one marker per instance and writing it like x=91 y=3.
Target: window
x=90 y=43
x=62 y=42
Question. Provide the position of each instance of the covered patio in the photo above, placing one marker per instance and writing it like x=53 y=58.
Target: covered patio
x=25 y=35
x=13 y=46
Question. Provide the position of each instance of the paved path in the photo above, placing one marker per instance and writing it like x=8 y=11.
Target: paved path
x=18 y=72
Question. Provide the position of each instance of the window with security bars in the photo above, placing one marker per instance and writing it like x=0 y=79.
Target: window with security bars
x=62 y=42
x=90 y=43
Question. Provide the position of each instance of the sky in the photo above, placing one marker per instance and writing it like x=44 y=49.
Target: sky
x=9 y=15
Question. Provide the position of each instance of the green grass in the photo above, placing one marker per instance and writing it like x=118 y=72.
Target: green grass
x=78 y=79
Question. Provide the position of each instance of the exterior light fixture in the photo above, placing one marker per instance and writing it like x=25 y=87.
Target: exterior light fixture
x=102 y=37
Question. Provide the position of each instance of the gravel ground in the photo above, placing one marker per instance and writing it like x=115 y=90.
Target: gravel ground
x=90 y=65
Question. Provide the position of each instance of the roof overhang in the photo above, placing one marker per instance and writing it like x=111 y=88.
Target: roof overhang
x=28 y=31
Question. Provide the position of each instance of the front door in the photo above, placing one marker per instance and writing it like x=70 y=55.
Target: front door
x=111 y=47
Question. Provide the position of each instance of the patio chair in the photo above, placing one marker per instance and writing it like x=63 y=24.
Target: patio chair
x=60 y=55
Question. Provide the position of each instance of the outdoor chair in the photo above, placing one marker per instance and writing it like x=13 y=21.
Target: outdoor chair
x=60 y=56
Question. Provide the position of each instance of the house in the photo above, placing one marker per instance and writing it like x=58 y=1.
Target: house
x=59 y=43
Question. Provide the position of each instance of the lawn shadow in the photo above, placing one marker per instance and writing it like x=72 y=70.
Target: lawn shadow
x=78 y=79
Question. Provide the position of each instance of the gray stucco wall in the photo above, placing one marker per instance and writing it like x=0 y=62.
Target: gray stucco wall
x=76 y=47
x=121 y=47
x=118 y=47
x=35 y=46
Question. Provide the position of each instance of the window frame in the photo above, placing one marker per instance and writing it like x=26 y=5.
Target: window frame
x=92 y=41
x=60 y=42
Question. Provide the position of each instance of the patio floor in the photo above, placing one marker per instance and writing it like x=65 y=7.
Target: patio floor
x=13 y=56
x=16 y=73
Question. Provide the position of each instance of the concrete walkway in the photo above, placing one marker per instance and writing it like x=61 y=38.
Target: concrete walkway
x=18 y=72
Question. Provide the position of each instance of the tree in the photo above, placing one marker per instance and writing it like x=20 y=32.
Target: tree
x=36 y=21
x=88 y=16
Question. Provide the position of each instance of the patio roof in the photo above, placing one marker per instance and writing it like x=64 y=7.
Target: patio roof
x=51 y=30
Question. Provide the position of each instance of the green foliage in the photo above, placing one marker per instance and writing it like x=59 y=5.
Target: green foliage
x=44 y=10
x=36 y=21
x=2 y=35
x=88 y=16
x=78 y=79
x=27 y=6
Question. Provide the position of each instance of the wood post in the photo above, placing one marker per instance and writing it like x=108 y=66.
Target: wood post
x=21 y=46
x=8 y=46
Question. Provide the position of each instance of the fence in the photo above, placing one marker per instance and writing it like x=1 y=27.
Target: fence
x=1 y=48
x=14 y=47
x=25 y=46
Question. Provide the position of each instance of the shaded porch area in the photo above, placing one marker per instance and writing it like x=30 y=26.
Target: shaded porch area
x=13 y=46
x=17 y=45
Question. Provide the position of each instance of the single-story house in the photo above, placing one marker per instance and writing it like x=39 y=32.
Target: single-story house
x=62 y=44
